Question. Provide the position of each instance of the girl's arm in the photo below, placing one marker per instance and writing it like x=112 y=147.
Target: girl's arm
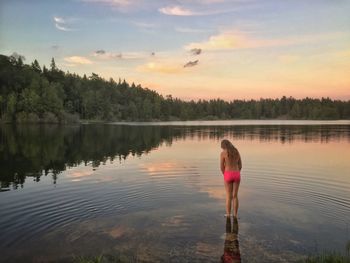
x=239 y=162
x=222 y=163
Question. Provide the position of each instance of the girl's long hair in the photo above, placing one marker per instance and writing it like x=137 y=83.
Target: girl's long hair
x=232 y=151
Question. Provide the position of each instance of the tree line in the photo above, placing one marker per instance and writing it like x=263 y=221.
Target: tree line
x=31 y=93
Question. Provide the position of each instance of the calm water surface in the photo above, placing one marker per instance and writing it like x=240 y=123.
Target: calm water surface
x=154 y=193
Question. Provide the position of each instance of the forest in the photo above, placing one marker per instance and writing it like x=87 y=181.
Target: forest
x=34 y=94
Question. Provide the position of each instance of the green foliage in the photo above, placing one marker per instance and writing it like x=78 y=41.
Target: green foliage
x=49 y=117
x=82 y=259
x=102 y=259
x=327 y=258
x=330 y=257
x=11 y=103
x=36 y=66
x=27 y=117
x=29 y=93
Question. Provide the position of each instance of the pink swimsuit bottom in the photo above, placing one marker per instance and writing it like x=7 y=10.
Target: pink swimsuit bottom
x=232 y=176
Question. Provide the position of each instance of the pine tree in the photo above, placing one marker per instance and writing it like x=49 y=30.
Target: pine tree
x=53 y=65
x=36 y=66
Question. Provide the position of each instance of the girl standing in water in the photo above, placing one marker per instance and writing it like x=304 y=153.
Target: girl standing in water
x=231 y=165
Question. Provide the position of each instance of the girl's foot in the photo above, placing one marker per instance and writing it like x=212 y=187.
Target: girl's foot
x=227 y=215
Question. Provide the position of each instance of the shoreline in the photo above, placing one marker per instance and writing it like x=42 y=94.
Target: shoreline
x=236 y=122
x=249 y=122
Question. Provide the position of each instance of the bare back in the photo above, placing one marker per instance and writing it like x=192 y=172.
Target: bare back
x=230 y=164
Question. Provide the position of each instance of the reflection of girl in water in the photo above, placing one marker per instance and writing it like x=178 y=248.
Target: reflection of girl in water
x=231 y=165
x=231 y=245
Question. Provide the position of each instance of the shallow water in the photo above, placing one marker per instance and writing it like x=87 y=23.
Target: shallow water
x=154 y=193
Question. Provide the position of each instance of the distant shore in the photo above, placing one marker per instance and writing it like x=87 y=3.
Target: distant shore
x=238 y=122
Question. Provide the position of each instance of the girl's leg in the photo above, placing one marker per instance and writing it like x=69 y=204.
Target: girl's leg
x=228 y=187
x=235 y=198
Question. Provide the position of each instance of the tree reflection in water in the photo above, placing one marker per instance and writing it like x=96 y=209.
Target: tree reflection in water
x=38 y=150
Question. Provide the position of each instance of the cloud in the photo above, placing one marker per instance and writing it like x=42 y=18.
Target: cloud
x=78 y=60
x=225 y=40
x=237 y=40
x=60 y=24
x=176 y=11
x=111 y=2
x=62 y=28
x=191 y=64
x=157 y=67
x=55 y=47
x=204 y=1
x=100 y=52
x=212 y=1
x=196 y=51
x=120 y=5
x=107 y=55
x=59 y=20
x=190 y=30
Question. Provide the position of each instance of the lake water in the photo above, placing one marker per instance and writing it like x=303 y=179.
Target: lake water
x=154 y=193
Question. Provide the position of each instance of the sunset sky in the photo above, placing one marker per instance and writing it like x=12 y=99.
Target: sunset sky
x=191 y=48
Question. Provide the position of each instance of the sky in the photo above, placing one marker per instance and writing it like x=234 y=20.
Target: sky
x=192 y=49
